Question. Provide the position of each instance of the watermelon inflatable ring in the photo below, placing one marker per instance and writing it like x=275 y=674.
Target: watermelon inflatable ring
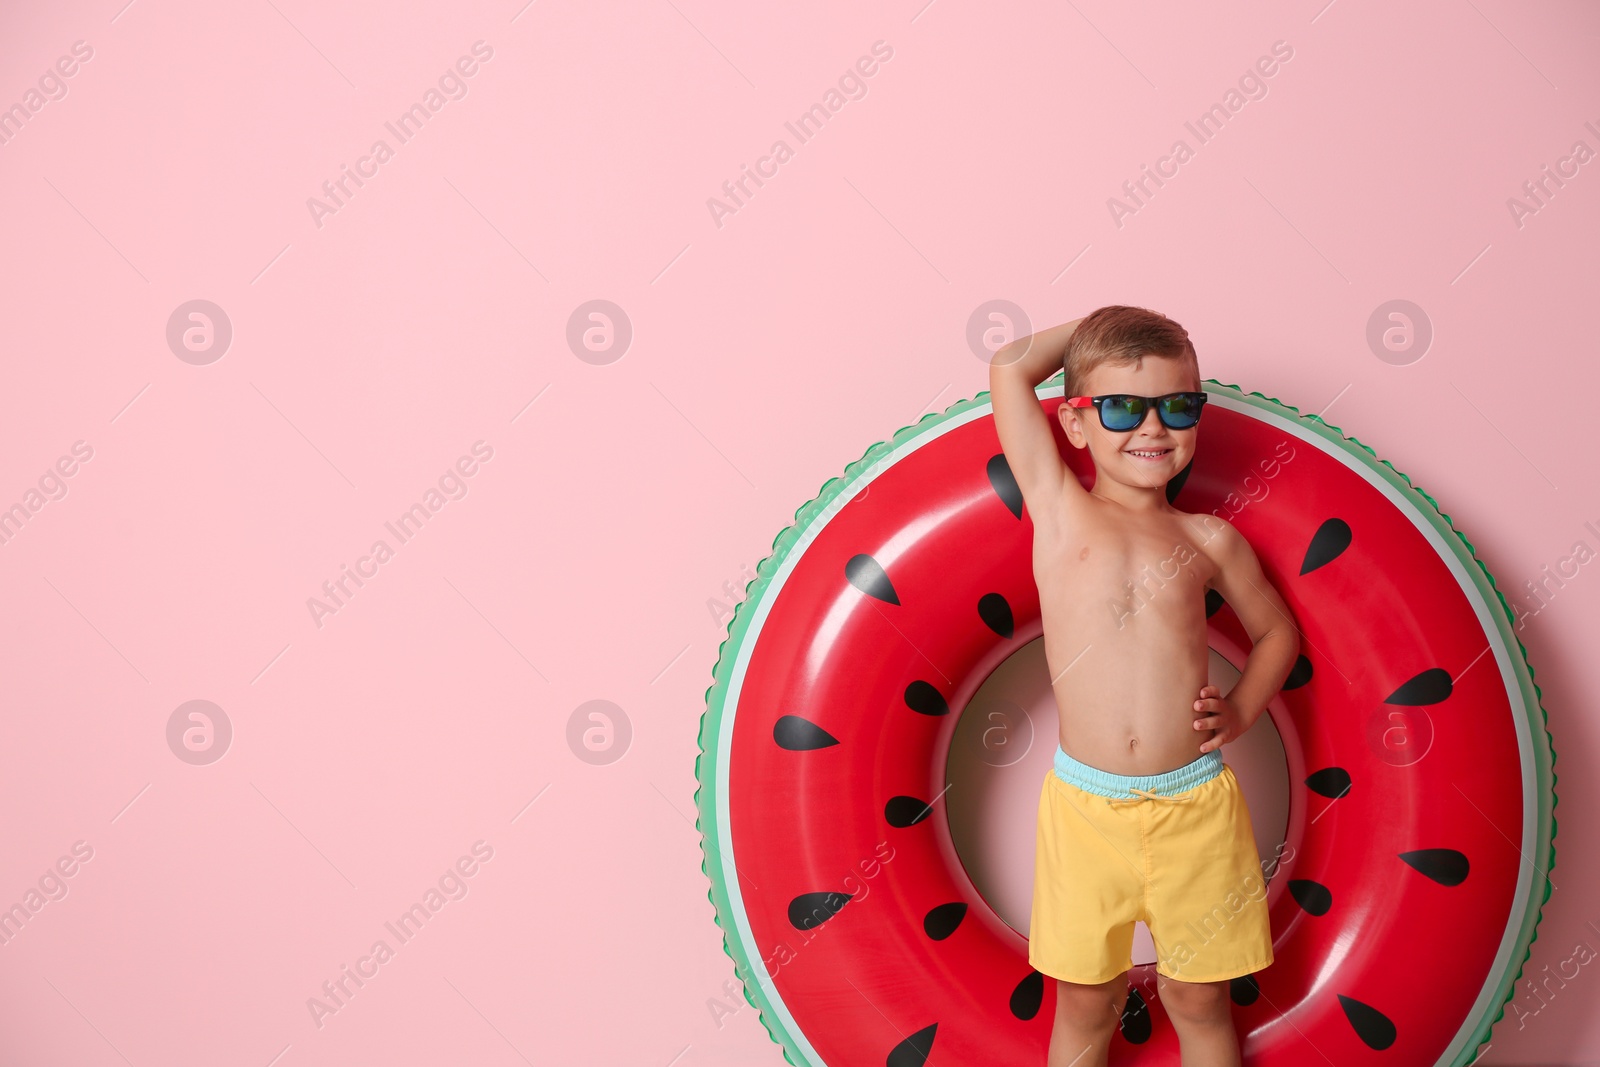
x=1421 y=808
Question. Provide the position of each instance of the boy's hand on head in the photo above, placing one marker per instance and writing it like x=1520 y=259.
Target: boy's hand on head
x=1214 y=712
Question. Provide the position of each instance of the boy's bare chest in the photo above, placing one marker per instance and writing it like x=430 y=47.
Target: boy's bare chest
x=1103 y=560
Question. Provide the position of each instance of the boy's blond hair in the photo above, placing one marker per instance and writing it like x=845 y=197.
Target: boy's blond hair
x=1124 y=335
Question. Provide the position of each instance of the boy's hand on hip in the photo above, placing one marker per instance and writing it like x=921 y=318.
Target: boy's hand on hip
x=1214 y=712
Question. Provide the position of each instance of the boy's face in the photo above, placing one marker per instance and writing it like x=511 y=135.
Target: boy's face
x=1114 y=452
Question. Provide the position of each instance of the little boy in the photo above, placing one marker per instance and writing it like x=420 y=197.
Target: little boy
x=1139 y=819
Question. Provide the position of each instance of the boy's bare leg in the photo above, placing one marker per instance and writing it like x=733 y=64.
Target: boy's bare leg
x=1202 y=1014
x=1086 y=1017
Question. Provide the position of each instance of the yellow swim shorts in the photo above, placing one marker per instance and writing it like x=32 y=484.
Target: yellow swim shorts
x=1181 y=857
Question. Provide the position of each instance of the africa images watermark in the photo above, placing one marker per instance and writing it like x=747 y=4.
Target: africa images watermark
x=52 y=885
x=1533 y=999
x=52 y=86
x=452 y=885
x=1136 y=595
x=851 y=86
x=721 y=610
x=452 y=485
x=452 y=85
x=52 y=485
x=1209 y=123
x=1541 y=592
x=1541 y=190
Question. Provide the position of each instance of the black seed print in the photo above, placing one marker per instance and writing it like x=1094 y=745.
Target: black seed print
x=1214 y=602
x=1444 y=865
x=1371 y=1025
x=942 y=921
x=1175 y=486
x=1004 y=483
x=906 y=811
x=914 y=1050
x=995 y=613
x=1135 y=1021
x=1331 y=538
x=924 y=699
x=800 y=735
x=867 y=575
x=1314 y=897
x=1026 y=998
x=1244 y=990
x=1332 y=782
x=1432 y=686
x=810 y=910
x=1299 y=674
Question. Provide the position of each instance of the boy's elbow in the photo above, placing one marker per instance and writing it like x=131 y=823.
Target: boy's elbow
x=1284 y=638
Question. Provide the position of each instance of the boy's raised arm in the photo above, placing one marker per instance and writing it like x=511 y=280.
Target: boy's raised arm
x=1019 y=419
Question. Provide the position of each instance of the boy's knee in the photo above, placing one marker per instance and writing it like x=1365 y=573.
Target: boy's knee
x=1091 y=1007
x=1198 y=1002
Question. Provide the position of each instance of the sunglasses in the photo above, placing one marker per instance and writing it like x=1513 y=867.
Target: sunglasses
x=1120 y=412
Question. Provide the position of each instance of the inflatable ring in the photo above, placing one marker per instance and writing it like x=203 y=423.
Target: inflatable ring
x=1421 y=812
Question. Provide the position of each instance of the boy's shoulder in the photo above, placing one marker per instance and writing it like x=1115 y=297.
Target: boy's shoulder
x=1215 y=534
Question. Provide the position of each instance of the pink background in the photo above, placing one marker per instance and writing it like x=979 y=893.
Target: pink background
x=430 y=311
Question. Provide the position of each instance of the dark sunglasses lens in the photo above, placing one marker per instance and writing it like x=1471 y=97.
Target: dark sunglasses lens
x=1122 y=412
x=1182 y=411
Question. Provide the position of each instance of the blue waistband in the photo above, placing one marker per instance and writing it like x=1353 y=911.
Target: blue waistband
x=1105 y=784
